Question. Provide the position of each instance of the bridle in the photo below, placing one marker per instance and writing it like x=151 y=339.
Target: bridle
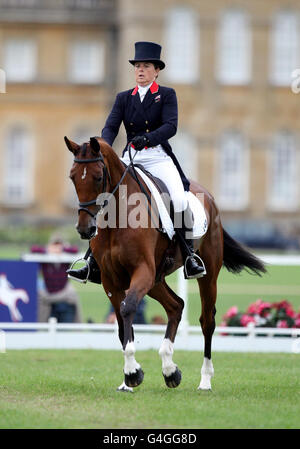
x=83 y=205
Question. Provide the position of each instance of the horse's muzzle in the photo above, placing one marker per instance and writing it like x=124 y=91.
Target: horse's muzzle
x=86 y=234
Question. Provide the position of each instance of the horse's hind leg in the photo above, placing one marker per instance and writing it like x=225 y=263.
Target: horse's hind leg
x=173 y=306
x=208 y=291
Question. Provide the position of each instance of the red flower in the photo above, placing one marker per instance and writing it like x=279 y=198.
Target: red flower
x=246 y=319
x=290 y=312
x=284 y=304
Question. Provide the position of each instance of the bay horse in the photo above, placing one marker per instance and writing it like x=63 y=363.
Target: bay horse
x=129 y=259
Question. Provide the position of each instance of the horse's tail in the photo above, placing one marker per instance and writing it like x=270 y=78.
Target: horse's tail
x=237 y=258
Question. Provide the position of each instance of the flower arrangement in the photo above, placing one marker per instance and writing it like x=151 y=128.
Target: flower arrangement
x=263 y=314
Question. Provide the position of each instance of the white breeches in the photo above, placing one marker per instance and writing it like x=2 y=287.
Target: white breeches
x=159 y=164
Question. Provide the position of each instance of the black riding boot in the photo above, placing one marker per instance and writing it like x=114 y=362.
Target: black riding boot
x=193 y=265
x=90 y=272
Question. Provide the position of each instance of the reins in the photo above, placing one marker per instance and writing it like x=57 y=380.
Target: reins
x=135 y=177
x=83 y=205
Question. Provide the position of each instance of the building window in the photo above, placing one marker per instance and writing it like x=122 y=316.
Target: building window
x=182 y=46
x=284 y=48
x=86 y=62
x=184 y=147
x=234 y=48
x=18 y=173
x=20 y=60
x=284 y=173
x=232 y=172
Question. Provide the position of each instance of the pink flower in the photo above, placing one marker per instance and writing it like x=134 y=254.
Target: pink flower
x=231 y=312
x=246 y=319
x=263 y=308
x=290 y=312
x=253 y=308
x=282 y=324
x=259 y=307
x=297 y=322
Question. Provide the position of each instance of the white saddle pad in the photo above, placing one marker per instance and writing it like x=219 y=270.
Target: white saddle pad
x=200 y=220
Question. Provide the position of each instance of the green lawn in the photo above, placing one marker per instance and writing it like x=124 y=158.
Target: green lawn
x=240 y=290
x=77 y=389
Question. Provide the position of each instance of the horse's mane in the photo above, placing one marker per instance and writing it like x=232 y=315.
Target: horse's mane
x=111 y=159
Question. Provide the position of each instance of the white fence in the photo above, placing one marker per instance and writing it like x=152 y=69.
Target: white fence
x=53 y=335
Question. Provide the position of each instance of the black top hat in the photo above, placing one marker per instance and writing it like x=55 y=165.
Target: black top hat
x=147 y=51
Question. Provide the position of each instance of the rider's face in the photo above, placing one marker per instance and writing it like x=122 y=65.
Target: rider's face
x=145 y=73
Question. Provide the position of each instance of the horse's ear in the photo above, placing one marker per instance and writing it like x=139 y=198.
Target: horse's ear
x=95 y=145
x=73 y=147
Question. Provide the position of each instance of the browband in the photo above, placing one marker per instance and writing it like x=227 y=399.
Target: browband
x=86 y=161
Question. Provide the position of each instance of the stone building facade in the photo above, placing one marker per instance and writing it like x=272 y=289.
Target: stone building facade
x=233 y=64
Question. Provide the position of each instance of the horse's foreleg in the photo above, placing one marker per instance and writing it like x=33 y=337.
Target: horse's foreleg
x=173 y=306
x=116 y=298
x=140 y=284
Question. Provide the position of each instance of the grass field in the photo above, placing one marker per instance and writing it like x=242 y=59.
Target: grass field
x=77 y=389
x=240 y=290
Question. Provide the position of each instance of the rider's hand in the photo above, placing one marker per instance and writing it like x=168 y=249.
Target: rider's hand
x=139 y=142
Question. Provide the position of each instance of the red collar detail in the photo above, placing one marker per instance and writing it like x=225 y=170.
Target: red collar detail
x=154 y=87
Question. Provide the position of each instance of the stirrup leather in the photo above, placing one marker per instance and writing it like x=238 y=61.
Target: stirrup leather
x=200 y=275
x=83 y=281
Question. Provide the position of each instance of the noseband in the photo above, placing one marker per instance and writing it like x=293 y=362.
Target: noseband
x=83 y=206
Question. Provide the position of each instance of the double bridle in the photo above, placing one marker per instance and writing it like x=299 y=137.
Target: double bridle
x=83 y=206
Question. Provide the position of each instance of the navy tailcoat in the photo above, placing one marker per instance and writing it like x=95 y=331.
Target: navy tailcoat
x=156 y=118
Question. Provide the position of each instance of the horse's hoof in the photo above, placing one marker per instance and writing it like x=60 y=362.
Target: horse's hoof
x=174 y=380
x=134 y=379
x=123 y=387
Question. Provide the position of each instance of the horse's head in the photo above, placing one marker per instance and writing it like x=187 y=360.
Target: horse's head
x=88 y=175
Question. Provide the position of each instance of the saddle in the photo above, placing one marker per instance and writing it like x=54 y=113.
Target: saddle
x=161 y=187
x=168 y=258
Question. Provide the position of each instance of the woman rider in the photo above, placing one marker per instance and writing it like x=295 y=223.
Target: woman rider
x=150 y=116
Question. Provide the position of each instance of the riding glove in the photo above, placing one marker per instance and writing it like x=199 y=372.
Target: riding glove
x=139 y=142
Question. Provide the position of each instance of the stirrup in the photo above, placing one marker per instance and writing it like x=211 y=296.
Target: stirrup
x=83 y=281
x=200 y=275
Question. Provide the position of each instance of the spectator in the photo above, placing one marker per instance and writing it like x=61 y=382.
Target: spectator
x=57 y=296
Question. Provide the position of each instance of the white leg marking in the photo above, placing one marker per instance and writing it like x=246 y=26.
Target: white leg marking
x=123 y=387
x=131 y=365
x=166 y=354
x=207 y=372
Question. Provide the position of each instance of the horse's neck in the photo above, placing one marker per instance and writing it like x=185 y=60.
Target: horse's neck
x=113 y=164
x=116 y=169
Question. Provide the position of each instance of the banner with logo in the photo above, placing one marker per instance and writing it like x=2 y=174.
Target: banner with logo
x=18 y=291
